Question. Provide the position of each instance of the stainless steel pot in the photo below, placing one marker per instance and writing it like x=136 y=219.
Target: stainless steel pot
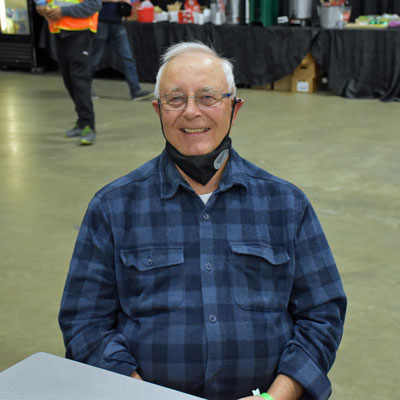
x=333 y=16
x=300 y=9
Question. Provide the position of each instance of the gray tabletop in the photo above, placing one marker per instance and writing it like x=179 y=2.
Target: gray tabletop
x=44 y=376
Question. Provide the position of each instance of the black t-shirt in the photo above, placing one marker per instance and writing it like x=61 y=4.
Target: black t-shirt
x=110 y=13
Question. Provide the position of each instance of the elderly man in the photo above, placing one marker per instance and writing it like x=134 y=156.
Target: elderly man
x=199 y=271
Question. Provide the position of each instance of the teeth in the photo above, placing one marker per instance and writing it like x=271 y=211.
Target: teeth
x=194 y=130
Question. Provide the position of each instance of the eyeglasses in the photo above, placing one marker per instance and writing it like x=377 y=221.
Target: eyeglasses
x=203 y=99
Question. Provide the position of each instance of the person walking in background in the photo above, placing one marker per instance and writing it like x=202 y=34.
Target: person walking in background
x=112 y=29
x=73 y=23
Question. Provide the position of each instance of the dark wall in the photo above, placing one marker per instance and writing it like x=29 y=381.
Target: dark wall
x=367 y=7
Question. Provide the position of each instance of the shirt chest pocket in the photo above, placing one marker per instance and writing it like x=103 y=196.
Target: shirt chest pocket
x=261 y=276
x=154 y=278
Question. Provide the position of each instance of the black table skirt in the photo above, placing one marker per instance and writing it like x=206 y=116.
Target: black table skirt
x=260 y=55
x=359 y=63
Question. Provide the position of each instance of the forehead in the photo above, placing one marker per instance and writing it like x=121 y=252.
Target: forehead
x=192 y=72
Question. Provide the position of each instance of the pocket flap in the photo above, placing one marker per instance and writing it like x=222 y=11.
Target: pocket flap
x=274 y=255
x=150 y=257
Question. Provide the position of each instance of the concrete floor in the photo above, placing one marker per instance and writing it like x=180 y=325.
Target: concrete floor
x=345 y=154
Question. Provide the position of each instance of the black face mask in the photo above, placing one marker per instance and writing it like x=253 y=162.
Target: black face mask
x=202 y=168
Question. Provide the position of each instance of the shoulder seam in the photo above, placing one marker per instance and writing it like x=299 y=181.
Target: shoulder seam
x=111 y=186
x=274 y=179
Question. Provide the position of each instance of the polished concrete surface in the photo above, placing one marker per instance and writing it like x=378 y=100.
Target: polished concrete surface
x=345 y=154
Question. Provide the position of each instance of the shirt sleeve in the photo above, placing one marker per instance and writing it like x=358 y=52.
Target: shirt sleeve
x=318 y=306
x=90 y=305
x=82 y=10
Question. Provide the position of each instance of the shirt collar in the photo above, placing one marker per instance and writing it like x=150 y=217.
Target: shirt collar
x=171 y=179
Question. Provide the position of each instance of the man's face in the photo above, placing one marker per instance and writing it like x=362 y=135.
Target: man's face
x=193 y=130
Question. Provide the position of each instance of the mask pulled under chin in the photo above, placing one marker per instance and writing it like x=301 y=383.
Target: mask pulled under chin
x=201 y=168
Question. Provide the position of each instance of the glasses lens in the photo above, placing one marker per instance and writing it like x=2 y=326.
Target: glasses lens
x=174 y=101
x=204 y=99
x=208 y=99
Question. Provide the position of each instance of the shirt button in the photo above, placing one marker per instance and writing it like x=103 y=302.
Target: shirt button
x=150 y=262
x=206 y=216
x=208 y=267
x=212 y=318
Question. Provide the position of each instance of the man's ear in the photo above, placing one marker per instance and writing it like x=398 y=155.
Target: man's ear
x=156 y=106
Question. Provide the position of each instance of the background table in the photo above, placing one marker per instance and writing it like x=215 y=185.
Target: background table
x=359 y=63
x=260 y=55
x=43 y=376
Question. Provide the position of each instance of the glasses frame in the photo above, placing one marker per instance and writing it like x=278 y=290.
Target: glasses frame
x=184 y=105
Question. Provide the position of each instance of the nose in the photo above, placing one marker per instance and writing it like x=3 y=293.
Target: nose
x=191 y=107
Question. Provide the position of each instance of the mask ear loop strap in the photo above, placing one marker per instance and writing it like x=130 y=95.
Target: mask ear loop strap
x=162 y=126
x=236 y=100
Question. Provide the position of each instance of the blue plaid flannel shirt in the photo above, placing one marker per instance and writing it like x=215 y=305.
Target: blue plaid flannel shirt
x=214 y=300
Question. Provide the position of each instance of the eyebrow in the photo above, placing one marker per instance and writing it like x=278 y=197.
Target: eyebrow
x=208 y=89
x=176 y=89
x=203 y=89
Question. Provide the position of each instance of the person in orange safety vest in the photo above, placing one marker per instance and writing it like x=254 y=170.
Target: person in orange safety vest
x=74 y=23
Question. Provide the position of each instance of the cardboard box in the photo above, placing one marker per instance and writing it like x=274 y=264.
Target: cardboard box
x=284 y=84
x=306 y=71
x=308 y=59
x=302 y=85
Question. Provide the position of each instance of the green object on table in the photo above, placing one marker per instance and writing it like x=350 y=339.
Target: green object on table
x=264 y=12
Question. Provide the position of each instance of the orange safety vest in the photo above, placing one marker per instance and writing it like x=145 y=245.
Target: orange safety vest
x=71 y=23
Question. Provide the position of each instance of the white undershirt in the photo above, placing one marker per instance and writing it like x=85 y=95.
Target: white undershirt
x=205 y=197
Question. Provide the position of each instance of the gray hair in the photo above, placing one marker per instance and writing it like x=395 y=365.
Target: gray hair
x=193 y=47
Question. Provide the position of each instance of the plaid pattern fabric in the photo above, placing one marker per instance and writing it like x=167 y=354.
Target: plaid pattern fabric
x=212 y=300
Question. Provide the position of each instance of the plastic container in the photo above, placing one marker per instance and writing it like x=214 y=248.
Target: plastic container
x=185 y=17
x=145 y=14
x=173 y=16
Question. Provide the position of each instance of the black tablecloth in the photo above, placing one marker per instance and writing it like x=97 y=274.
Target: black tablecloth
x=260 y=55
x=360 y=63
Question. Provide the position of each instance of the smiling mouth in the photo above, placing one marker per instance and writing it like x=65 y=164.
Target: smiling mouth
x=198 y=130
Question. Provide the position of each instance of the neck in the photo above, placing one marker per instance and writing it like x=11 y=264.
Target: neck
x=210 y=186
